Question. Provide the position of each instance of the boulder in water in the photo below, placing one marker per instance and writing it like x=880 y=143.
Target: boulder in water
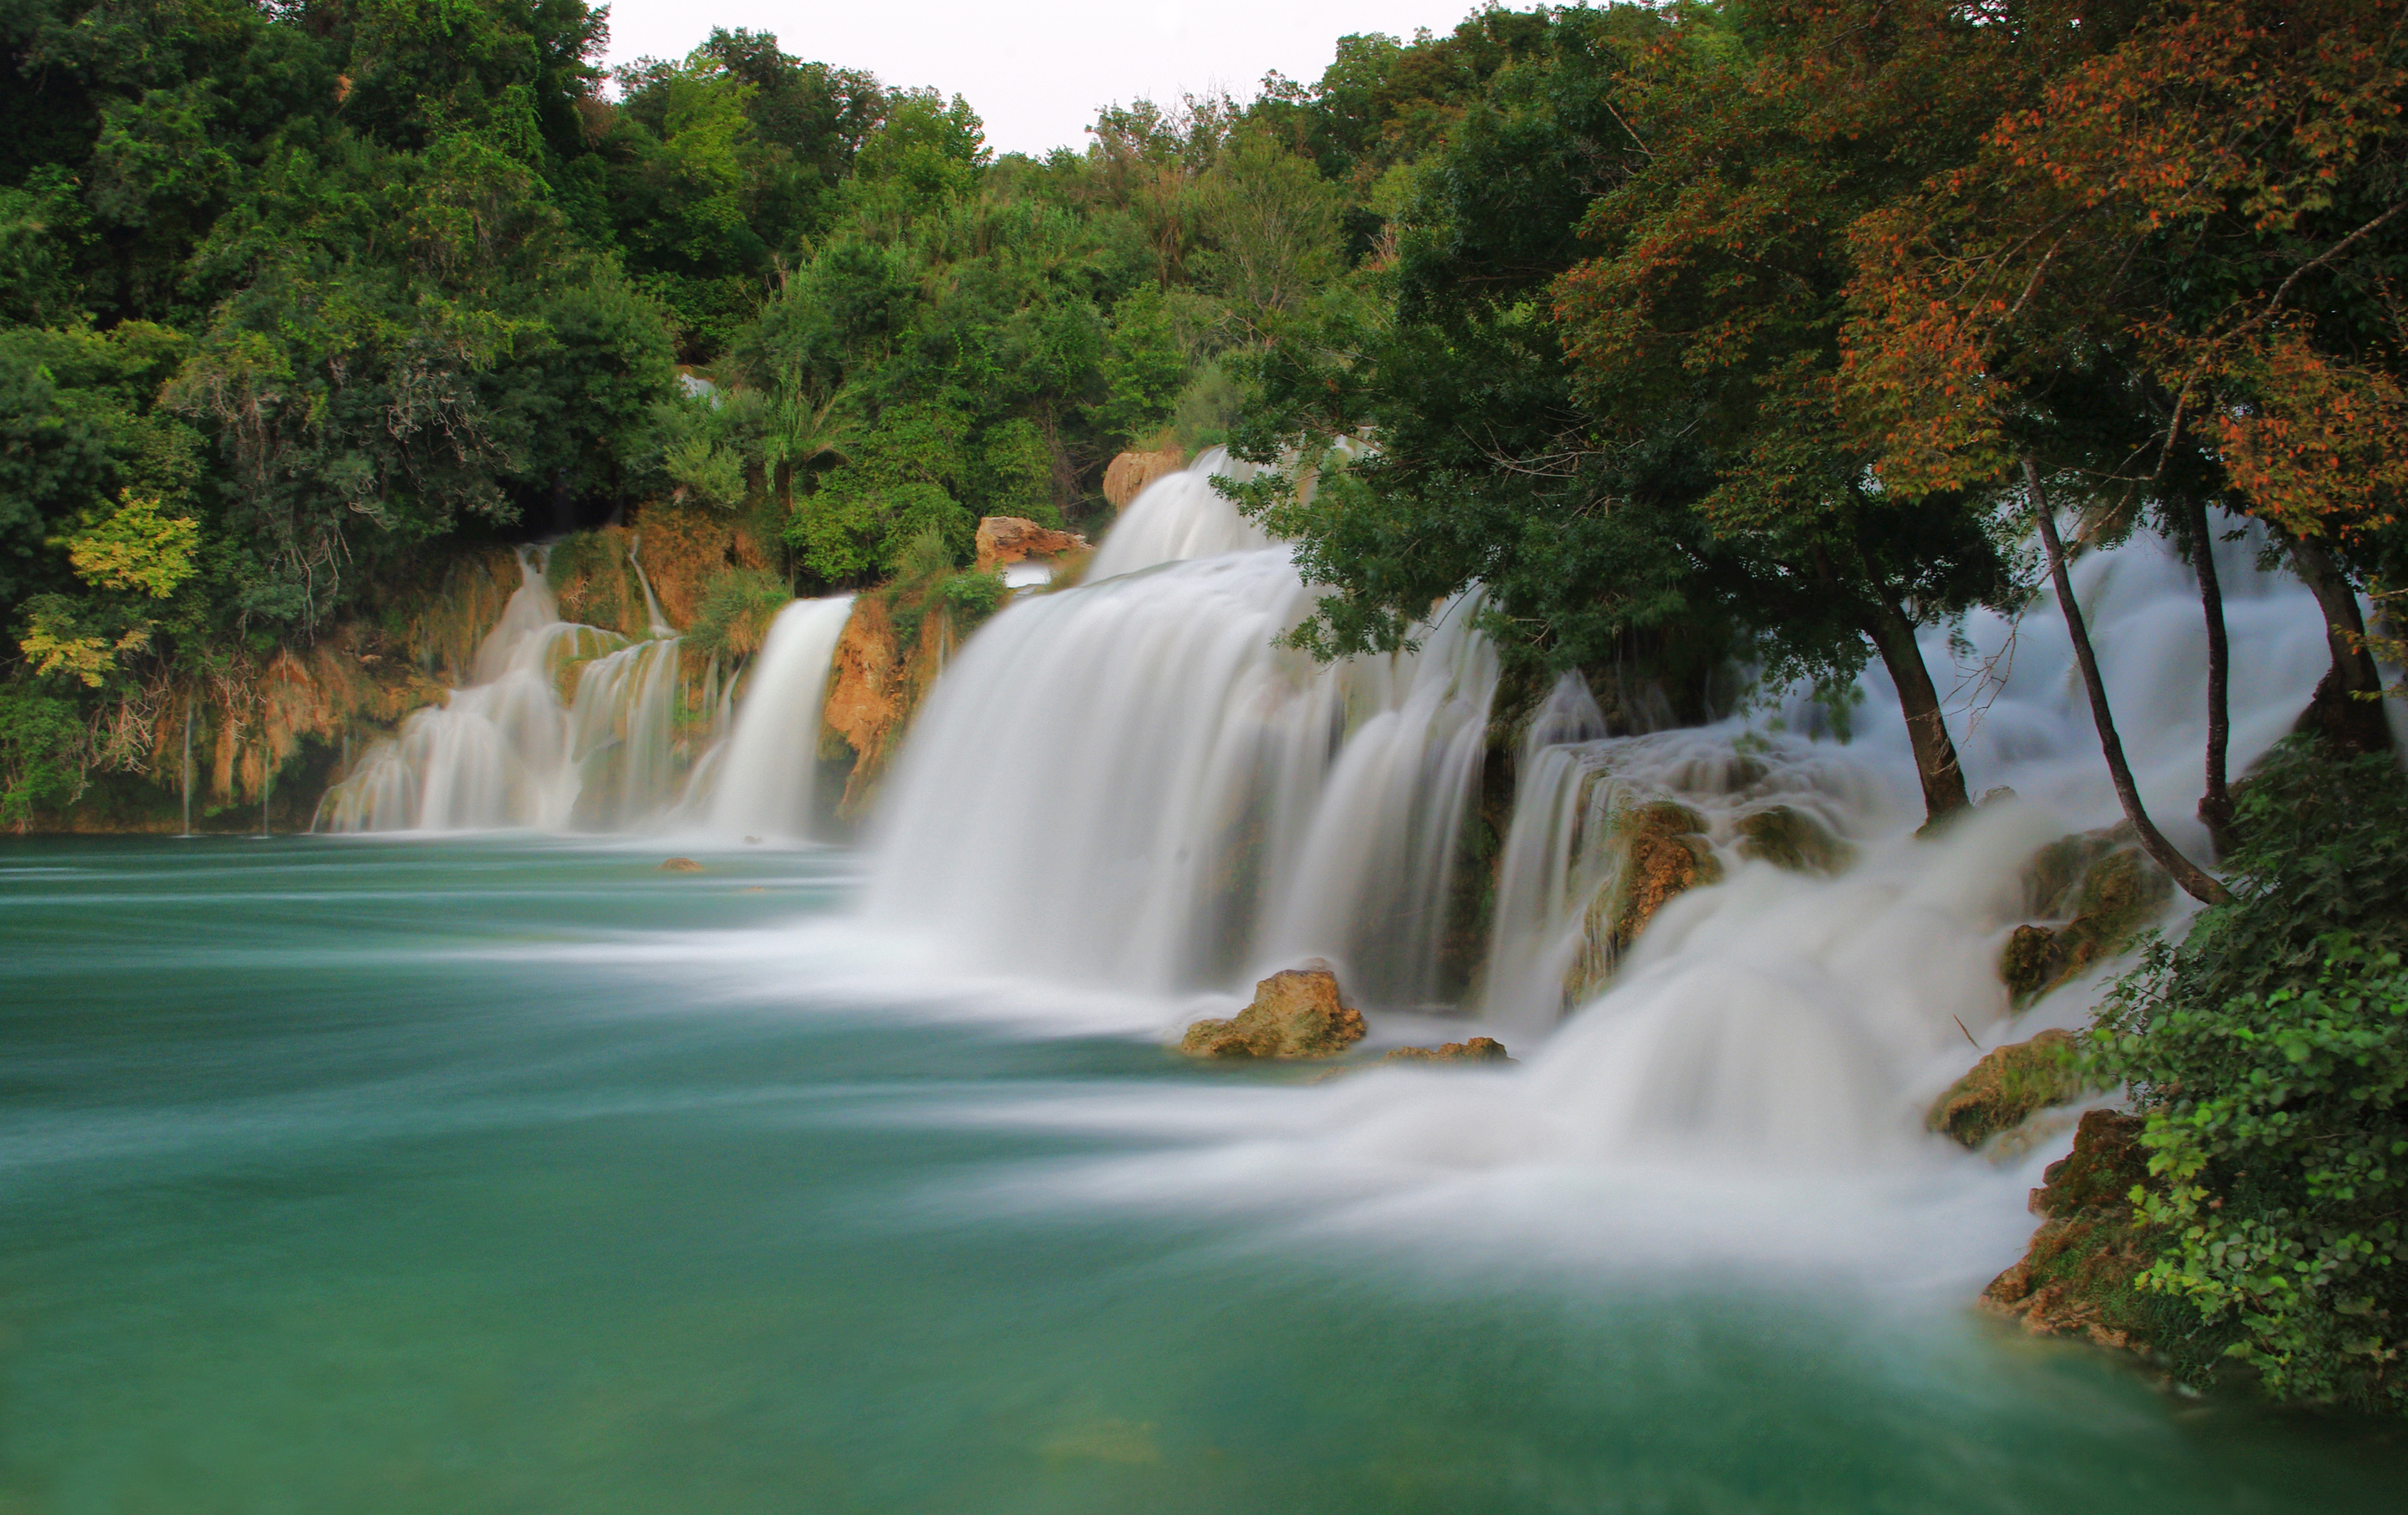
x=2005 y=1087
x=1297 y=1013
x=1129 y=473
x=680 y=865
x=1005 y=539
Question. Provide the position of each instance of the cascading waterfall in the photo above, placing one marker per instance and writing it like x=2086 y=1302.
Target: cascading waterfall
x=505 y=752
x=759 y=783
x=1130 y=783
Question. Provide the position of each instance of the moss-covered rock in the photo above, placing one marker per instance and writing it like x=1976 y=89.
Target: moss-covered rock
x=1297 y=1013
x=2077 y=1279
x=1664 y=854
x=1790 y=838
x=2109 y=888
x=2005 y=1087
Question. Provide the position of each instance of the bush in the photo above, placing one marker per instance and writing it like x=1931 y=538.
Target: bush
x=737 y=605
x=2270 y=1054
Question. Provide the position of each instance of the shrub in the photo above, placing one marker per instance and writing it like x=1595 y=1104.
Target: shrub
x=737 y=605
x=2270 y=1054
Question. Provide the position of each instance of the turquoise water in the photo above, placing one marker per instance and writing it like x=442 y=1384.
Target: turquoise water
x=485 y=1177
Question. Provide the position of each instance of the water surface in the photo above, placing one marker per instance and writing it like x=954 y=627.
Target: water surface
x=472 y=1176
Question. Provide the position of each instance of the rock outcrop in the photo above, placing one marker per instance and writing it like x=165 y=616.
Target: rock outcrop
x=1664 y=854
x=1003 y=540
x=2006 y=1088
x=680 y=865
x=1129 y=473
x=2076 y=1279
x=1297 y=1013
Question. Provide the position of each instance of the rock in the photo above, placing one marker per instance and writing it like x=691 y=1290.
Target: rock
x=1790 y=838
x=1129 y=473
x=2076 y=1278
x=680 y=865
x=1003 y=540
x=1664 y=854
x=1297 y=1013
x=2007 y=1085
x=1477 y=1049
x=2029 y=961
x=2110 y=890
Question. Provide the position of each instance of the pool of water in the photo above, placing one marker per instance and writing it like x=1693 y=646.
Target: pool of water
x=492 y=1176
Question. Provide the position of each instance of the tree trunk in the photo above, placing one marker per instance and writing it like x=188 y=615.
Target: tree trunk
x=2215 y=805
x=2194 y=880
x=2346 y=711
x=1935 y=755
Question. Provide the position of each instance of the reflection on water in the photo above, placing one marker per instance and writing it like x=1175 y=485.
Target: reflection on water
x=475 y=1176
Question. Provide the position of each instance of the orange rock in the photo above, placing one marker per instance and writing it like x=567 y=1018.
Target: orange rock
x=1003 y=540
x=1477 y=1049
x=680 y=865
x=1131 y=472
x=1297 y=1013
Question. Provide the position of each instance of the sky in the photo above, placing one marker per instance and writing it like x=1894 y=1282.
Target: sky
x=1037 y=73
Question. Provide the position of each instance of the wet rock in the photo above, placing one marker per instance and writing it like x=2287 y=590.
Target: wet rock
x=680 y=865
x=1665 y=853
x=1129 y=473
x=2077 y=1278
x=1476 y=1050
x=2110 y=889
x=1297 y=1013
x=2005 y=1087
x=2029 y=961
x=1005 y=539
x=1790 y=838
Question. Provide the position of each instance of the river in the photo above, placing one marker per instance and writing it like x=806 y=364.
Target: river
x=495 y=1175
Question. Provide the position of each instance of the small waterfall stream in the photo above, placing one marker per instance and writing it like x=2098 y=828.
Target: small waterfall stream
x=506 y=750
x=759 y=783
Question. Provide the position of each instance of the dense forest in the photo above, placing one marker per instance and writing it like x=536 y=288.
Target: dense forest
x=1761 y=334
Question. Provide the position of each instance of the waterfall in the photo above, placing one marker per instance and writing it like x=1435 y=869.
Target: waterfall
x=506 y=752
x=1130 y=783
x=759 y=783
x=1180 y=516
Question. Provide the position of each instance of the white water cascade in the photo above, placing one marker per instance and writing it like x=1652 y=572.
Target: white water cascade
x=1127 y=783
x=506 y=752
x=759 y=783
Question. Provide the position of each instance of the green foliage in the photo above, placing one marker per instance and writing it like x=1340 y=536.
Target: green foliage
x=733 y=620
x=41 y=742
x=2270 y=1052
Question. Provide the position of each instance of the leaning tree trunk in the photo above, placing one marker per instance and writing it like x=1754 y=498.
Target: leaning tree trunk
x=1935 y=755
x=2346 y=711
x=2215 y=805
x=2194 y=879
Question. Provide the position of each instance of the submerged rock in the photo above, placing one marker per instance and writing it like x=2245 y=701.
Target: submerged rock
x=2076 y=1279
x=1297 y=1013
x=680 y=865
x=1476 y=1050
x=2006 y=1087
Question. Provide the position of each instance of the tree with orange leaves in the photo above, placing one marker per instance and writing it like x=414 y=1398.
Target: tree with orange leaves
x=2195 y=226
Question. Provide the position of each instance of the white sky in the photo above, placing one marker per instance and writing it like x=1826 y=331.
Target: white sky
x=1036 y=73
